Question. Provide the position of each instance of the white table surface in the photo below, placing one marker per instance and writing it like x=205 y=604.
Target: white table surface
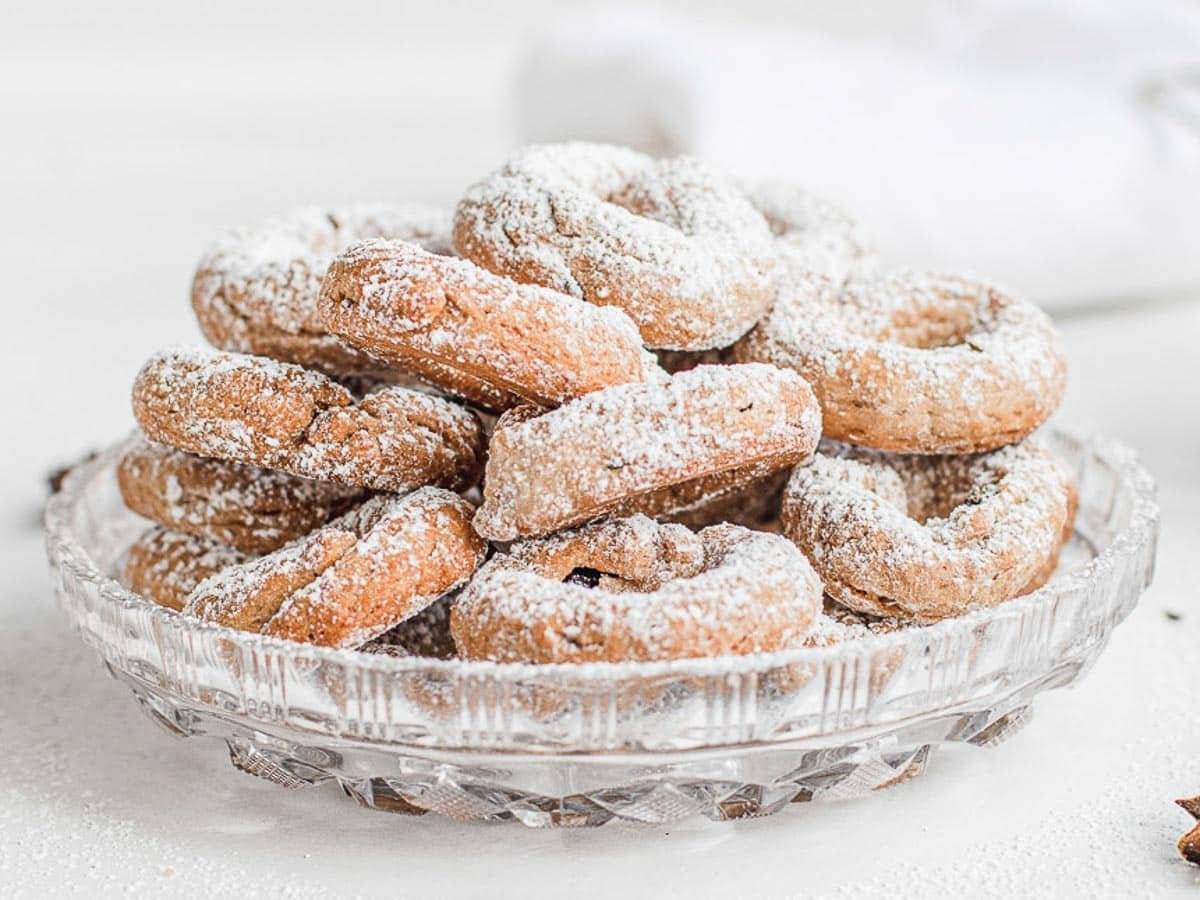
x=112 y=187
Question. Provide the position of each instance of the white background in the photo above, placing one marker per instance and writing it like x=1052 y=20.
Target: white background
x=130 y=137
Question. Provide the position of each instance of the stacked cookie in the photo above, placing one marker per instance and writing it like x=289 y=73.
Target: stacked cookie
x=928 y=498
x=316 y=477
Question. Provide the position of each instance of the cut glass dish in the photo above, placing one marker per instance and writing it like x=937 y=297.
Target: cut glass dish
x=580 y=745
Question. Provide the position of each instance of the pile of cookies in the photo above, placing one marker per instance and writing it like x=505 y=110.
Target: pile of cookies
x=614 y=408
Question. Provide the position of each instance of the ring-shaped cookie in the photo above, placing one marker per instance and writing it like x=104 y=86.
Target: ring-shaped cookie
x=255 y=410
x=644 y=448
x=1051 y=566
x=252 y=509
x=255 y=290
x=915 y=363
x=811 y=234
x=353 y=579
x=636 y=590
x=927 y=537
x=166 y=566
x=457 y=325
x=670 y=242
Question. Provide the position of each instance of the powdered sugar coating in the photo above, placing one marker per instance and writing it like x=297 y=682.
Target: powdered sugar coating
x=828 y=630
x=352 y=580
x=811 y=234
x=836 y=625
x=246 y=596
x=165 y=566
x=254 y=410
x=255 y=290
x=670 y=242
x=915 y=362
x=926 y=537
x=253 y=509
x=412 y=309
x=661 y=592
x=639 y=447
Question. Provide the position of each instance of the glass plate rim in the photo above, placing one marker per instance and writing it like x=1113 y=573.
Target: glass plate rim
x=66 y=550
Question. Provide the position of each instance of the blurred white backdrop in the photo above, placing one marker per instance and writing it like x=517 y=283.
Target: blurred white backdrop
x=1003 y=138
x=1007 y=138
x=1012 y=139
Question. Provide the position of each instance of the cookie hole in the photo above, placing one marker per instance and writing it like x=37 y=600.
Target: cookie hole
x=587 y=577
x=929 y=329
x=937 y=498
x=584 y=577
x=635 y=199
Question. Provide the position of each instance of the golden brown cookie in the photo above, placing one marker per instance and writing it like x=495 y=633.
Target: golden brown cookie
x=353 y=579
x=673 y=244
x=165 y=566
x=926 y=537
x=636 y=590
x=252 y=509
x=254 y=410
x=648 y=448
x=255 y=290
x=1047 y=571
x=915 y=363
x=811 y=234
x=458 y=325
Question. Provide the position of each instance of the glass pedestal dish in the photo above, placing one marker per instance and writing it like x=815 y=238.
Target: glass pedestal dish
x=581 y=745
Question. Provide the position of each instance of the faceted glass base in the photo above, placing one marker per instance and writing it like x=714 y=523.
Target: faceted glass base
x=572 y=746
